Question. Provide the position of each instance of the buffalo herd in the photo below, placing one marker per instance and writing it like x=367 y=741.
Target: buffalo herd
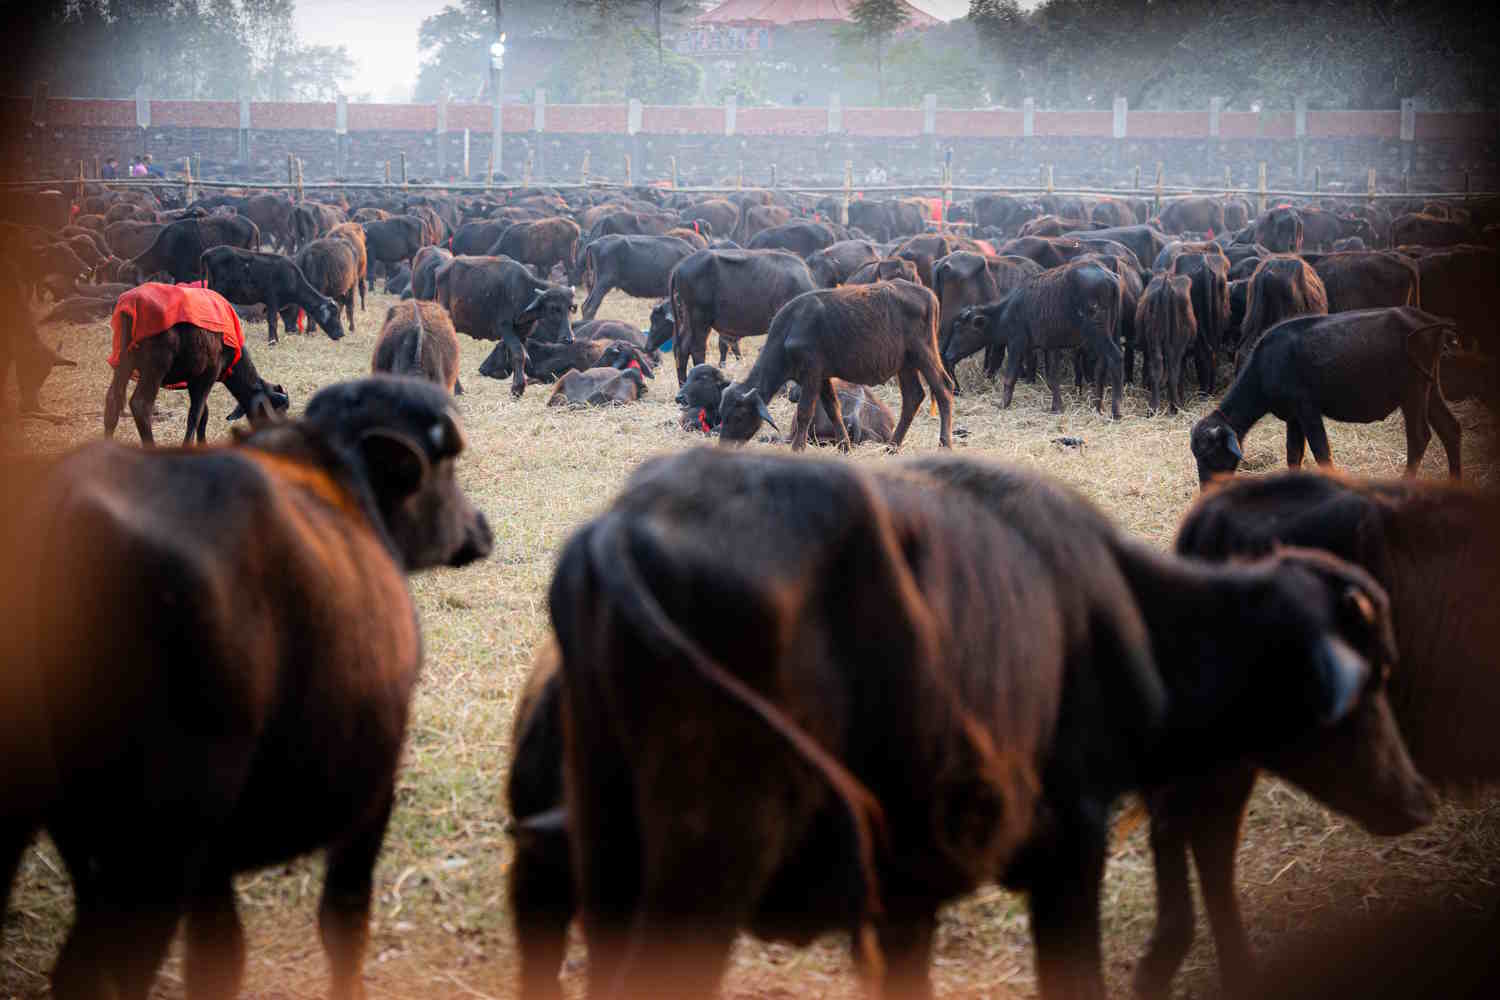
x=779 y=694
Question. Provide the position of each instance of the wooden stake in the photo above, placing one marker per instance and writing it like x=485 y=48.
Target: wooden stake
x=1228 y=180
x=739 y=176
x=1317 y=179
x=848 y=192
x=299 y=180
x=1370 y=180
x=1260 y=180
x=1050 y=188
x=526 y=170
x=80 y=185
x=403 y=168
x=1137 y=185
x=629 y=174
x=673 y=161
x=583 y=173
x=1161 y=173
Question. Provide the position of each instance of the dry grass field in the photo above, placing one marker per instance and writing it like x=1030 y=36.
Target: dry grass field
x=441 y=926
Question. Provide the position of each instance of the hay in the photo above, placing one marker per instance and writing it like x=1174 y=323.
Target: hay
x=441 y=926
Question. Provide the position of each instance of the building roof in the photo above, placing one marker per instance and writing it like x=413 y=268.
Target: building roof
x=783 y=13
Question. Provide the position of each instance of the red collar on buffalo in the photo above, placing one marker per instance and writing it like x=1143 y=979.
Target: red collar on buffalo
x=703 y=420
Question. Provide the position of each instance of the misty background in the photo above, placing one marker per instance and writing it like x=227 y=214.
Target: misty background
x=1159 y=54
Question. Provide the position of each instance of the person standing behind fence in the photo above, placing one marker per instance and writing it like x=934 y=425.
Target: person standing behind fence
x=110 y=170
x=137 y=168
x=152 y=170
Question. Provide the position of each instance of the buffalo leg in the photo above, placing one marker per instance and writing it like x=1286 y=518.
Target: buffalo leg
x=344 y=911
x=517 y=352
x=723 y=350
x=1204 y=355
x=807 y=407
x=911 y=401
x=1295 y=439
x=198 y=390
x=906 y=946
x=215 y=940
x=541 y=898
x=932 y=372
x=1448 y=430
x=1173 y=934
x=836 y=414
x=1317 y=435
x=361 y=293
x=1051 y=362
x=142 y=402
x=124 y=924
x=1218 y=816
x=595 y=299
x=1064 y=905
x=349 y=307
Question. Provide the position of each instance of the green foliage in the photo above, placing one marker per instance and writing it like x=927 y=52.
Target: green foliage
x=747 y=85
x=205 y=49
x=617 y=62
x=868 y=35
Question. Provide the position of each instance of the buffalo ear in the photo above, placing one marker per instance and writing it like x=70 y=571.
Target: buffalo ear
x=396 y=464
x=1342 y=674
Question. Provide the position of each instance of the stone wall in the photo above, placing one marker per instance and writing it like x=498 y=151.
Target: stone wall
x=988 y=146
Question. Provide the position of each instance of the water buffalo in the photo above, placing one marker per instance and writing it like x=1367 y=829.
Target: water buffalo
x=863 y=334
x=424 y=269
x=832 y=265
x=311 y=221
x=178 y=247
x=1165 y=328
x=1210 y=276
x=330 y=266
x=354 y=234
x=884 y=269
x=1197 y=214
x=418 y=339
x=248 y=277
x=238 y=682
x=390 y=241
x=1356 y=367
x=493 y=298
x=1427 y=230
x=1280 y=230
x=637 y=265
x=542 y=244
x=800 y=238
x=598 y=387
x=865 y=417
x=1283 y=286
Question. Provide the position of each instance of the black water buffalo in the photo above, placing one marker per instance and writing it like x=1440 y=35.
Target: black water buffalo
x=1368 y=280
x=864 y=334
x=1452 y=285
x=493 y=298
x=639 y=266
x=884 y=269
x=886 y=220
x=424 y=269
x=1197 y=214
x=473 y=239
x=253 y=650
x=1425 y=230
x=1356 y=367
x=699 y=398
x=332 y=267
x=1165 y=329
x=393 y=240
x=1435 y=548
x=178 y=248
x=311 y=221
x=1144 y=241
x=248 y=277
x=1044 y=665
x=1280 y=230
x=721 y=215
x=734 y=292
x=1322 y=228
x=1210 y=276
x=832 y=265
x=965 y=278
x=801 y=238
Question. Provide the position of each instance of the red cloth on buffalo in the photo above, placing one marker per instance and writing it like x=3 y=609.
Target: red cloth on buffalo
x=155 y=307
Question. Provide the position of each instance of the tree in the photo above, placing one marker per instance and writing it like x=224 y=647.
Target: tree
x=873 y=24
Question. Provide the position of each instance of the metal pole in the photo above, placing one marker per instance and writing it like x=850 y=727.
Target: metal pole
x=673 y=161
x=497 y=124
x=403 y=168
x=1161 y=170
x=1261 y=179
x=848 y=192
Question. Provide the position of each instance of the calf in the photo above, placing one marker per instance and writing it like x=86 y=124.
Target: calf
x=1368 y=280
x=864 y=334
x=832 y=265
x=493 y=298
x=883 y=269
x=736 y=292
x=699 y=398
x=353 y=234
x=598 y=387
x=542 y=244
x=1166 y=328
x=640 y=266
x=238 y=682
x=865 y=417
x=1435 y=547
x=418 y=339
x=424 y=269
x=1209 y=273
x=614 y=329
x=1016 y=737
x=332 y=269
x=182 y=337
x=1280 y=230
x=248 y=277
x=1282 y=286
x=1356 y=367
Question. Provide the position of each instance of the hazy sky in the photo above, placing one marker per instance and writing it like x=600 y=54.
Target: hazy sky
x=382 y=37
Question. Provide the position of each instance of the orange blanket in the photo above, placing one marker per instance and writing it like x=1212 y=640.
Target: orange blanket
x=154 y=307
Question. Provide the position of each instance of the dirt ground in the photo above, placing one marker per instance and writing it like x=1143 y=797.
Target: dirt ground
x=441 y=926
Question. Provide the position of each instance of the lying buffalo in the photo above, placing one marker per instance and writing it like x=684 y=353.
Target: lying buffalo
x=1356 y=367
x=866 y=418
x=598 y=387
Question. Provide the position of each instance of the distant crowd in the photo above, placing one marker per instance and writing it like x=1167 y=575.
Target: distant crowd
x=140 y=166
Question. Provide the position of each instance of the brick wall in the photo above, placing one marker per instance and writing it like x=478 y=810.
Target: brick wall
x=988 y=145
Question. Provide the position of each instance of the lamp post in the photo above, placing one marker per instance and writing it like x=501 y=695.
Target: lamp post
x=497 y=63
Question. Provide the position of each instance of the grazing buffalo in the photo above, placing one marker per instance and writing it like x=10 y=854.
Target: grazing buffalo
x=182 y=338
x=1356 y=367
x=1280 y=230
x=248 y=277
x=493 y=298
x=735 y=292
x=178 y=247
x=864 y=334
x=238 y=682
x=832 y=265
x=1032 y=663
x=354 y=234
x=598 y=387
x=418 y=339
x=1283 y=286
x=1435 y=547
x=866 y=418
x=330 y=266
x=1165 y=328
x=543 y=244
x=390 y=241
x=640 y=266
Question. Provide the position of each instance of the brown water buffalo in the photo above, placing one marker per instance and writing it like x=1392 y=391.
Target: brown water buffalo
x=758 y=217
x=720 y=214
x=863 y=334
x=331 y=267
x=1356 y=367
x=354 y=234
x=390 y=241
x=884 y=269
x=249 y=277
x=1435 y=548
x=866 y=418
x=1165 y=329
x=927 y=249
x=1016 y=737
x=131 y=238
x=424 y=269
x=1047 y=251
x=20 y=344
x=735 y=292
x=598 y=387
x=1144 y=241
x=272 y=214
x=1283 y=286
x=832 y=265
x=1003 y=212
x=1427 y=230
x=1197 y=214
x=1367 y=280
x=238 y=682
x=542 y=244
x=1210 y=276
x=418 y=339
x=1321 y=228
x=493 y=298
x=964 y=279
x=311 y=221
x=1280 y=230
x=472 y=239
x=1451 y=281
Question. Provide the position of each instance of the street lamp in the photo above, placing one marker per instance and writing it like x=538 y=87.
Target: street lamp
x=497 y=54
x=497 y=63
